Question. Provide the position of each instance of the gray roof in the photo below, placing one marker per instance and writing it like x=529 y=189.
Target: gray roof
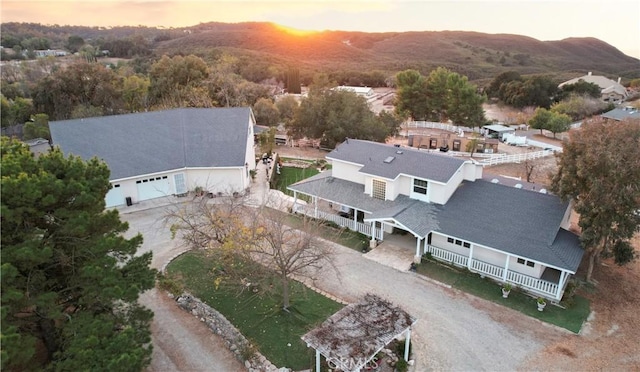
x=521 y=222
x=372 y=156
x=622 y=113
x=499 y=128
x=150 y=142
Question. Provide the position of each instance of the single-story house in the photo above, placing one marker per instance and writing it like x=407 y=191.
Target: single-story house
x=365 y=92
x=612 y=91
x=510 y=234
x=161 y=153
x=622 y=113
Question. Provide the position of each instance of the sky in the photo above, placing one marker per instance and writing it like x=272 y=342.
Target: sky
x=616 y=22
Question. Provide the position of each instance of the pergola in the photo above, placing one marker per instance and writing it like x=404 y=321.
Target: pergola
x=353 y=336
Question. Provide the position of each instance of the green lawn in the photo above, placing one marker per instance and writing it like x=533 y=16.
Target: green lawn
x=570 y=318
x=332 y=232
x=259 y=317
x=291 y=175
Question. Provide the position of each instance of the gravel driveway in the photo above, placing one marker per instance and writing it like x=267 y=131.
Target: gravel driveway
x=454 y=332
x=180 y=341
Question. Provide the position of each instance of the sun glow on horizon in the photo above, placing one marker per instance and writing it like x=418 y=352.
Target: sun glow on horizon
x=295 y=31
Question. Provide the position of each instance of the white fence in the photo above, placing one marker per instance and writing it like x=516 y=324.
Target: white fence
x=515 y=158
x=487 y=269
x=442 y=126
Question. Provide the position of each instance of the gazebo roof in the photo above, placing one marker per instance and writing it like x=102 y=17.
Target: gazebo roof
x=354 y=335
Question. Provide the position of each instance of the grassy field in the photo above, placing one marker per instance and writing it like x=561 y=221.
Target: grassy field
x=259 y=317
x=570 y=318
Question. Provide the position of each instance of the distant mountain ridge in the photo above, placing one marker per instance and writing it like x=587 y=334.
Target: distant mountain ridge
x=477 y=55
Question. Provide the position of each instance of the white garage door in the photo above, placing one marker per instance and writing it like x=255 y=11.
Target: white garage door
x=114 y=196
x=153 y=187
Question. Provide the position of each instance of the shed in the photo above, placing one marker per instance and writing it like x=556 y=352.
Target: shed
x=497 y=130
x=353 y=336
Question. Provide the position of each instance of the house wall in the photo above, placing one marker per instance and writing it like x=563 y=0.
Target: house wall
x=440 y=241
x=566 y=219
x=349 y=172
x=225 y=180
x=472 y=172
x=405 y=185
x=489 y=256
x=535 y=271
x=250 y=154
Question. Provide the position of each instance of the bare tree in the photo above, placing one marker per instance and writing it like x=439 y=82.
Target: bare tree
x=254 y=245
x=529 y=167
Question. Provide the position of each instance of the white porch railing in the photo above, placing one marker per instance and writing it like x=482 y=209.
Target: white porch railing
x=524 y=281
x=360 y=227
x=532 y=283
x=487 y=269
x=448 y=256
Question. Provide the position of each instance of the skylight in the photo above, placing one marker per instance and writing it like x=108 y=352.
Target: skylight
x=389 y=159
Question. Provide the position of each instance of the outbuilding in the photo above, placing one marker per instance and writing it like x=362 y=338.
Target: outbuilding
x=162 y=153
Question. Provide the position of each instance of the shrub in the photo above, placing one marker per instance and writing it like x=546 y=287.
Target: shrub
x=401 y=365
x=169 y=284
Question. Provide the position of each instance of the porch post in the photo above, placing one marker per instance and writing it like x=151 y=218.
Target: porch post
x=418 y=240
x=315 y=209
x=506 y=269
x=355 y=219
x=469 y=261
x=295 y=201
x=407 y=342
x=563 y=278
x=317 y=360
x=424 y=247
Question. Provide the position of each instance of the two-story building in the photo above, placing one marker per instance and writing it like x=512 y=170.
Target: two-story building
x=506 y=233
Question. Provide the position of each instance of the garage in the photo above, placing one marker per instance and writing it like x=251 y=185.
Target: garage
x=153 y=187
x=114 y=196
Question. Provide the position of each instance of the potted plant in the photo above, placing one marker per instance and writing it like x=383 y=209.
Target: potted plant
x=506 y=289
x=541 y=303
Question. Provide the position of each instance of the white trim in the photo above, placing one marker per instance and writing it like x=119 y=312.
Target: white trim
x=144 y=175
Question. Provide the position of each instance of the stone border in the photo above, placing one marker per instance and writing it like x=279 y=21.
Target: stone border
x=235 y=341
x=233 y=338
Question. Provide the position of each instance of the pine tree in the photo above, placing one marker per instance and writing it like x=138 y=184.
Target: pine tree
x=70 y=280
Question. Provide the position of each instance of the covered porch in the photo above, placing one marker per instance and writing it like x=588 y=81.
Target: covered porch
x=551 y=283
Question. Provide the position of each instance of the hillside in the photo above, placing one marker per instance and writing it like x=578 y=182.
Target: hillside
x=477 y=55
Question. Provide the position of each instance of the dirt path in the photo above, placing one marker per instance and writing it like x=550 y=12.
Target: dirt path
x=180 y=341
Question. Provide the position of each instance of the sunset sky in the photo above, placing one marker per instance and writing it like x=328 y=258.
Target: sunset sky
x=616 y=22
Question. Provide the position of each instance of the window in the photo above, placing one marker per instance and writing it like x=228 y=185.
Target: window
x=116 y=185
x=379 y=189
x=456 y=145
x=458 y=242
x=466 y=245
x=420 y=186
x=522 y=261
x=450 y=240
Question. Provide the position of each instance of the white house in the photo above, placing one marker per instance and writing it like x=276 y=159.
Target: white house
x=365 y=92
x=509 y=234
x=160 y=153
x=610 y=90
